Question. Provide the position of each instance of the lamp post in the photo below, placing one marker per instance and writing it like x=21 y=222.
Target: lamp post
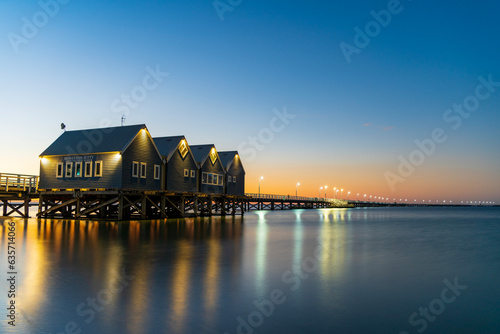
x=298 y=184
x=357 y=197
x=334 y=192
x=341 y=196
x=325 y=191
x=348 y=193
x=320 y=191
x=261 y=178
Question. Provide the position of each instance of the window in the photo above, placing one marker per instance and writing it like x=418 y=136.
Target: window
x=215 y=179
x=78 y=169
x=59 y=170
x=98 y=168
x=186 y=172
x=229 y=178
x=193 y=173
x=213 y=155
x=157 y=172
x=135 y=169
x=234 y=179
x=88 y=169
x=69 y=169
x=143 y=170
x=183 y=149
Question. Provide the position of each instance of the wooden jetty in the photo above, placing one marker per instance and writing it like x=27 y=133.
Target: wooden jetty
x=280 y=202
x=16 y=193
x=124 y=205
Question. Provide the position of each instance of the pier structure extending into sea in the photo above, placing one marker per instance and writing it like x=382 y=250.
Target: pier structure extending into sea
x=19 y=192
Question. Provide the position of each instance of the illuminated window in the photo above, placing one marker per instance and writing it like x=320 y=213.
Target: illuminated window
x=234 y=179
x=215 y=179
x=157 y=172
x=88 y=169
x=59 y=170
x=98 y=169
x=135 y=169
x=183 y=149
x=229 y=178
x=143 y=170
x=78 y=169
x=213 y=156
x=69 y=169
x=193 y=173
x=186 y=172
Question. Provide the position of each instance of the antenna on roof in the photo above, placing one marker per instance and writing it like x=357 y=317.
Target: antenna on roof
x=63 y=126
x=123 y=119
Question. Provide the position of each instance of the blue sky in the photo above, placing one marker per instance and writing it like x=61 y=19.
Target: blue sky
x=353 y=120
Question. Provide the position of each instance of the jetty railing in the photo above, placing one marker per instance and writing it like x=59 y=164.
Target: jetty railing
x=293 y=198
x=18 y=182
x=286 y=197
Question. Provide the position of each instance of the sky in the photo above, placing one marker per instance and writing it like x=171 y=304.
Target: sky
x=384 y=98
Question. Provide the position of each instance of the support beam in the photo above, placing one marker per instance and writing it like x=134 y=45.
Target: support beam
x=57 y=207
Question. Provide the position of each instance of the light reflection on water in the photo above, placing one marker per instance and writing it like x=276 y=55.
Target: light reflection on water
x=200 y=275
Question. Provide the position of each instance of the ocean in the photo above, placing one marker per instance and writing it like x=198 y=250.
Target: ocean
x=363 y=270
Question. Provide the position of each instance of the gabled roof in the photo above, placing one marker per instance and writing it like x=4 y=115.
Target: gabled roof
x=227 y=158
x=168 y=145
x=102 y=140
x=201 y=153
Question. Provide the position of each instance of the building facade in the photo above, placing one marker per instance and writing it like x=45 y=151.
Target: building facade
x=210 y=170
x=180 y=168
x=234 y=173
x=124 y=158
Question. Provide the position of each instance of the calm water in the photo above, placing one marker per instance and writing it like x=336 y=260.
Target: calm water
x=380 y=270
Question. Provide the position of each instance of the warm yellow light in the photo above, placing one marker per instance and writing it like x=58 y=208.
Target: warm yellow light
x=44 y=160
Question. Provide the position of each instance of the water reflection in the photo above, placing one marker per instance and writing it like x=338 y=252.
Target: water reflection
x=62 y=263
x=298 y=239
x=202 y=275
x=332 y=256
x=261 y=253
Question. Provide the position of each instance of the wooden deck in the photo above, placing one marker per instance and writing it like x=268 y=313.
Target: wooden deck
x=16 y=193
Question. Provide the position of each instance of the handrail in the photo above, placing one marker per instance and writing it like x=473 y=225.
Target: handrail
x=293 y=198
x=18 y=182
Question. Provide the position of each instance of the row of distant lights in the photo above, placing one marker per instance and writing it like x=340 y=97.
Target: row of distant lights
x=379 y=198
x=424 y=201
